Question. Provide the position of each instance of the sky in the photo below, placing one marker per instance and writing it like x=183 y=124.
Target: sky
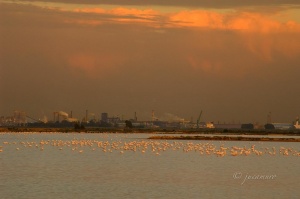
x=237 y=61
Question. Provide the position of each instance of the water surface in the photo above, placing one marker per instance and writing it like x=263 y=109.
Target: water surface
x=90 y=172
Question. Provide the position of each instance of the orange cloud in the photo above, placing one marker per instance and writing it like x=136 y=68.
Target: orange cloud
x=94 y=64
x=234 y=21
x=84 y=22
x=256 y=22
x=261 y=36
x=237 y=21
x=197 y=18
x=91 y=10
x=148 y=13
x=120 y=15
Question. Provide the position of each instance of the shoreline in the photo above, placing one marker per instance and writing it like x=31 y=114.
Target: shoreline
x=228 y=132
x=225 y=138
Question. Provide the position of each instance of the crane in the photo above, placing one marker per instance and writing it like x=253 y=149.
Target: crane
x=198 y=120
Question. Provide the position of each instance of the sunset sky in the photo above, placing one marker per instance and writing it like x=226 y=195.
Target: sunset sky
x=237 y=60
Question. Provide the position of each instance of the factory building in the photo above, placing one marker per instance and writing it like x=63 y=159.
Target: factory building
x=19 y=118
x=279 y=126
x=106 y=119
x=227 y=126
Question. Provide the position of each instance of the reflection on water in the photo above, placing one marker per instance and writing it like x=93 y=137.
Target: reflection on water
x=73 y=165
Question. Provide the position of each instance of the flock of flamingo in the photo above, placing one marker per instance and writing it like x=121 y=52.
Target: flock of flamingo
x=156 y=147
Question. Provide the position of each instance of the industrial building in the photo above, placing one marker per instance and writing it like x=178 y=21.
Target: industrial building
x=227 y=126
x=110 y=120
x=18 y=119
x=280 y=126
x=63 y=119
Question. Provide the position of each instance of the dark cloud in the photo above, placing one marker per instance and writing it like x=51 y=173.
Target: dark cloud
x=190 y=3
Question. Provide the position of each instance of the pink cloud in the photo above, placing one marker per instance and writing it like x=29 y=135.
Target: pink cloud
x=94 y=64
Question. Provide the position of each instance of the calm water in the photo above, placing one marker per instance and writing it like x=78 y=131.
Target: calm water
x=87 y=171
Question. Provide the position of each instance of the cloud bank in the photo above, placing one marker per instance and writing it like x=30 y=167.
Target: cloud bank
x=179 y=3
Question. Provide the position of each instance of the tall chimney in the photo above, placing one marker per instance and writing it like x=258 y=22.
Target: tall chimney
x=135 y=117
x=86 y=116
x=152 y=115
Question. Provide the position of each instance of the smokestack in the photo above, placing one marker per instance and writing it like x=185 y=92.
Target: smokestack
x=86 y=116
x=71 y=115
x=269 y=120
x=135 y=117
x=152 y=115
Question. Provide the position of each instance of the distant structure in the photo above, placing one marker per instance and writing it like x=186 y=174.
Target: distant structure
x=167 y=121
x=86 y=116
x=58 y=116
x=297 y=125
x=279 y=126
x=152 y=115
x=269 y=126
x=198 y=120
x=283 y=126
x=61 y=116
x=153 y=118
x=247 y=126
x=20 y=117
x=135 y=117
x=228 y=126
x=104 y=117
x=210 y=125
x=269 y=118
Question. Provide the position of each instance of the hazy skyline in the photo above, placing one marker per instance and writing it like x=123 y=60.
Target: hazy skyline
x=235 y=60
